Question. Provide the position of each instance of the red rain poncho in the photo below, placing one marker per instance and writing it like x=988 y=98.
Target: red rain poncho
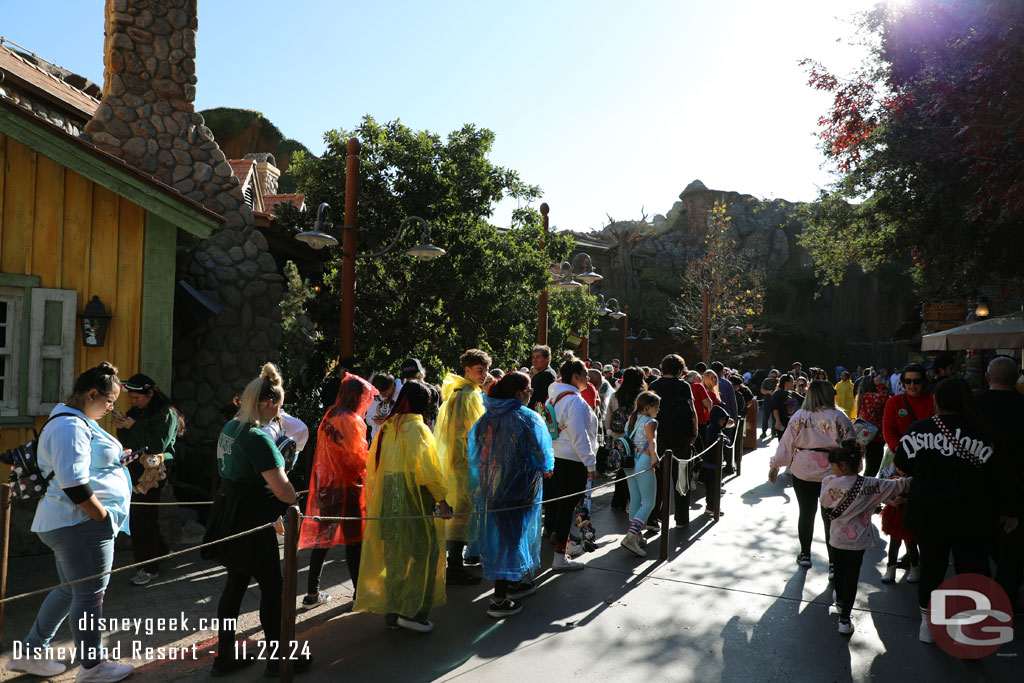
x=339 y=469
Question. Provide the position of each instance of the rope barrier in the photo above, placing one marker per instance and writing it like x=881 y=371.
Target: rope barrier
x=196 y=502
x=268 y=525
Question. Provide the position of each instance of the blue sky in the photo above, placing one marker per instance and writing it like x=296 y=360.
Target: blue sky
x=609 y=106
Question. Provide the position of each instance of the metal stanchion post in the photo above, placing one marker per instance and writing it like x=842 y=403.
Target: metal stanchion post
x=716 y=481
x=291 y=561
x=666 y=500
x=5 y=529
x=737 y=445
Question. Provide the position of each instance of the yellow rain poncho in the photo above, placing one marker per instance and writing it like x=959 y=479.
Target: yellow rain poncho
x=462 y=405
x=844 y=397
x=402 y=569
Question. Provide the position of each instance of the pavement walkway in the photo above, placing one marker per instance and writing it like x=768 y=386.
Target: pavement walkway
x=730 y=605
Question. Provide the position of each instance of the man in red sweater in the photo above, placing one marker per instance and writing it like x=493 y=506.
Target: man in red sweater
x=903 y=410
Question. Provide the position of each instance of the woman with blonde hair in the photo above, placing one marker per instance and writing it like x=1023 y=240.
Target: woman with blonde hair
x=254 y=490
x=711 y=384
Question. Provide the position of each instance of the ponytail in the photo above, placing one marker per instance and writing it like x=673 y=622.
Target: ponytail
x=267 y=386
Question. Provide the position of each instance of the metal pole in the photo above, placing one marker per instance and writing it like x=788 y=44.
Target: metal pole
x=740 y=437
x=348 y=263
x=625 y=341
x=705 y=355
x=542 y=299
x=716 y=481
x=5 y=532
x=585 y=347
x=666 y=500
x=291 y=566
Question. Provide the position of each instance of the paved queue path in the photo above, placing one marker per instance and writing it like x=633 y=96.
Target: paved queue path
x=730 y=605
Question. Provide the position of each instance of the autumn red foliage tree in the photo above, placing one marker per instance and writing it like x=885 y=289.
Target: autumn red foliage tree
x=927 y=139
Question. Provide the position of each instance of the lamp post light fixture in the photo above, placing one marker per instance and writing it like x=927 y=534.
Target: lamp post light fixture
x=630 y=336
x=982 y=311
x=319 y=237
x=95 y=321
x=644 y=336
x=602 y=308
x=616 y=312
x=570 y=278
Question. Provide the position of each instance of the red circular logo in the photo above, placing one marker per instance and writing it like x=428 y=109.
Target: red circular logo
x=970 y=616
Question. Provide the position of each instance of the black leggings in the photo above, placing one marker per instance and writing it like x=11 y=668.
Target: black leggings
x=807 y=497
x=969 y=557
x=267 y=572
x=847 y=565
x=316 y=566
x=873 y=453
x=570 y=476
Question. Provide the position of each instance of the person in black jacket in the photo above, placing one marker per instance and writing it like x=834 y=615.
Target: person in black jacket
x=958 y=491
x=677 y=420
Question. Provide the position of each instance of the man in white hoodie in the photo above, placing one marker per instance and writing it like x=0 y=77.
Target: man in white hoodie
x=575 y=455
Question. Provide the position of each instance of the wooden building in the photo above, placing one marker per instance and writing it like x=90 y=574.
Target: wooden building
x=76 y=223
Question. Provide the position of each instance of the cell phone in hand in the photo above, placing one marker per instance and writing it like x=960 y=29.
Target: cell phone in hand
x=134 y=455
x=117 y=413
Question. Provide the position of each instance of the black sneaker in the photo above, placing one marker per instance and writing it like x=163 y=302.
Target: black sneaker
x=225 y=667
x=460 y=577
x=505 y=608
x=471 y=561
x=318 y=599
x=391 y=621
x=520 y=589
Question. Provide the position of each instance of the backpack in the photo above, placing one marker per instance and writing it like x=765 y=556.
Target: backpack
x=674 y=416
x=28 y=484
x=549 y=415
x=622 y=452
x=619 y=419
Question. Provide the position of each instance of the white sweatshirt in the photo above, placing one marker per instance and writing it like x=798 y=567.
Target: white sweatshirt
x=292 y=427
x=577 y=425
x=853 y=529
x=821 y=429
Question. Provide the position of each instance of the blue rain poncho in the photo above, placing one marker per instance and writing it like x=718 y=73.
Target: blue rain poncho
x=509 y=452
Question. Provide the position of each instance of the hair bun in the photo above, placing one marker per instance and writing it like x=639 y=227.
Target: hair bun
x=107 y=368
x=271 y=374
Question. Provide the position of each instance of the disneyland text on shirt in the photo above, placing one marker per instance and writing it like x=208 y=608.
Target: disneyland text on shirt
x=914 y=442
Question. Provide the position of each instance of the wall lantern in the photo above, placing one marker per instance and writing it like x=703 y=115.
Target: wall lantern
x=95 y=320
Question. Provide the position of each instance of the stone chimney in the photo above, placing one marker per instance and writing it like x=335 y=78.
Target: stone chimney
x=146 y=117
x=266 y=171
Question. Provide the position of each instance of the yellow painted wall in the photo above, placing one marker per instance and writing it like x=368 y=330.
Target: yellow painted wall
x=73 y=234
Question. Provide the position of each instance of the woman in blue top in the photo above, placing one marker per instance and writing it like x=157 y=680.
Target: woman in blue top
x=78 y=518
x=642 y=429
x=509 y=454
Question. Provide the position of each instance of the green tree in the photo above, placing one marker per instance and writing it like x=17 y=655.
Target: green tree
x=928 y=141
x=482 y=293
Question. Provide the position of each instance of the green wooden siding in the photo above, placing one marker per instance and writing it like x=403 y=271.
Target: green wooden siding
x=157 y=333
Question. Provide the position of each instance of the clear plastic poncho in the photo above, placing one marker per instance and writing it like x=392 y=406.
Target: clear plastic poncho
x=462 y=405
x=402 y=568
x=339 y=468
x=509 y=452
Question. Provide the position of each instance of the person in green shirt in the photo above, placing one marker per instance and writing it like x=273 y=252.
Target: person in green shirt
x=152 y=422
x=254 y=491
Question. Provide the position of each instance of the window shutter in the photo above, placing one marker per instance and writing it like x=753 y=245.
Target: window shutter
x=51 y=366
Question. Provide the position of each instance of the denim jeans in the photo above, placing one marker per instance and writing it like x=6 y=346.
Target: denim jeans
x=80 y=550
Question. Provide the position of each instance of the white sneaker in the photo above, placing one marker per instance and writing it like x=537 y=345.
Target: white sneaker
x=643 y=541
x=923 y=634
x=890 y=574
x=573 y=549
x=425 y=626
x=142 y=577
x=104 y=672
x=37 y=667
x=631 y=543
x=562 y=563
x=846 y=627
x=914 y=574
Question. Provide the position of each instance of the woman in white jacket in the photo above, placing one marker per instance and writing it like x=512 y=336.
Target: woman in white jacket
x=575 y=453
x=813 y=431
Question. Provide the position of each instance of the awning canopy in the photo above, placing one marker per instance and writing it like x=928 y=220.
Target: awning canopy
x=1006 y=332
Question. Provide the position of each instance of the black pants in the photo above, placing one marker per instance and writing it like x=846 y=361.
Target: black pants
x=969 y=557
x=1010 y=562
x=570 y=476
x=316 y=566
x=847 y=565
x=620 y=498
x=266 y=569
x=766 y=414
x=873 y=457
x=807 y=498
x=144 y=525
x=456 y=549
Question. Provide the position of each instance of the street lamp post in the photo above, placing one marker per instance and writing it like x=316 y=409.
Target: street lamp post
x=705 y=309
x=625 y=339
x=542 y=298
x=348 y=261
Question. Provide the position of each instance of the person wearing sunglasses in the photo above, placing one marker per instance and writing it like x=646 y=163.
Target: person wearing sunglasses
x=907 y=408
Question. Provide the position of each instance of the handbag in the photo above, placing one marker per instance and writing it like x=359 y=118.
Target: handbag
x=864 y=431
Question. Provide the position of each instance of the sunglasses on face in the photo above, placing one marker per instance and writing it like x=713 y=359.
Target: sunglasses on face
x=911 y=380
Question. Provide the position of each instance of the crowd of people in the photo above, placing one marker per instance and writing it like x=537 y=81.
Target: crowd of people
x=417 y=482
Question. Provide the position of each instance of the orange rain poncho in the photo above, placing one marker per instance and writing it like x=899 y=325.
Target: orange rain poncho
x=402 y=568
x=462 y=405
x=339 y=467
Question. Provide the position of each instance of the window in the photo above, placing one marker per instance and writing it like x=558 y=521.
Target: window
x=37 y=347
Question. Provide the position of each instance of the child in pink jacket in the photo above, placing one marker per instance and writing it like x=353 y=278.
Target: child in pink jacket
x=850 y=500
